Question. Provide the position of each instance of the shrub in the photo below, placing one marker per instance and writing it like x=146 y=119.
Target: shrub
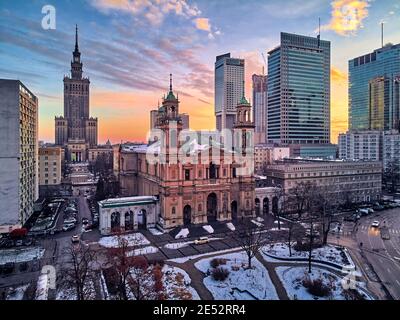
x=220 y=274
x=352 y=294
x=316 y=287
x=216 y=262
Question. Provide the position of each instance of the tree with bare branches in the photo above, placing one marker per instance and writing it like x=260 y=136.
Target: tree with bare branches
x=279 y=204
x=328 y=204
x=78 y=270
x=134 y=277
x=250 y=239
x=295 y=232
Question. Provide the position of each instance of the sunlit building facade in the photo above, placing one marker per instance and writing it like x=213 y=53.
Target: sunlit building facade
x=374 y=81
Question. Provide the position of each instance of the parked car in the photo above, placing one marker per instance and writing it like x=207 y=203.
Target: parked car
x=75 y=239
x=370 y=210
x=363 y=212
x=70 y=220
x=19 y=243
x=68 y=227
x=379 y=207
x=350 y=218
x=202 y=240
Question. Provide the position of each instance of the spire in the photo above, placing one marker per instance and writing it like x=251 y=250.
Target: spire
x=76 y=38
x=243 y=100
x=170 y=95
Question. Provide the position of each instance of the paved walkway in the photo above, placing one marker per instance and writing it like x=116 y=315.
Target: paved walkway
x=280 y=290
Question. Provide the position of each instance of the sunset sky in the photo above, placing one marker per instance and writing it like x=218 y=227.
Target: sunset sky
x=129 y=48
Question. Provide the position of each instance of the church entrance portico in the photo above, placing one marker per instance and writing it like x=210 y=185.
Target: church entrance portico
x=128 y=214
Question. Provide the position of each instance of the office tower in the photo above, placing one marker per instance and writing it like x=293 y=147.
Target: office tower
x=76 y=130
x=260 y=107
x=360 y=145
x=374 y=81
x=229 y=86
x=18 y=153
x=299 y=91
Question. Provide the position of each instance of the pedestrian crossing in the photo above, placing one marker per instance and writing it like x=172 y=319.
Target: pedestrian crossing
x=392 y=231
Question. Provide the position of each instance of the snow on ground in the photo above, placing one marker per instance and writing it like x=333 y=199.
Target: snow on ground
x=258 y=224
x=70 y=293
x=277 y=222
x=187 y=258
x=142 y=251
x=155 y=232
x=242 y=283
x=134 y=239
x=292 y=277
x=16 y=293
x=177 y=284
x=259 y=219
x=177 y=245
x=327 y=253
x=182 y=234
x=208 y=228
x=21 y=255
x=231 y=226
x=277 y=229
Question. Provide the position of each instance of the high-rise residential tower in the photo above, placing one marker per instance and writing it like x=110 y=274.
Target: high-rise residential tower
x=374 y=87
x=18 y=153
x=260 y=107
x=299 y=92
x=76 y=130
x=229 y=85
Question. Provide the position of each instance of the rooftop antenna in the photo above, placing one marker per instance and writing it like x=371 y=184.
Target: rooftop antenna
x=319 y=32
x=382 y=33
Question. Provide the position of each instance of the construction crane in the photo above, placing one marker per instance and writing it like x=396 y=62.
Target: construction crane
x=265 y=63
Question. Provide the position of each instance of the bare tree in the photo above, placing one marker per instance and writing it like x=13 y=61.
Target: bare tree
x=328 y=204
x=250 y=239
x=301 y=196
x=134 y=276
x=78 y=270
x=293 y=233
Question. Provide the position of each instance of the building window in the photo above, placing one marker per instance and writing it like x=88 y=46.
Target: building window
x=200 y=207
x=173 y=211
x=234 y=172
x=187 y=174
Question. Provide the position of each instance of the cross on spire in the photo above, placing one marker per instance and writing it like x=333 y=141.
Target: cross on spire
x=170 y=82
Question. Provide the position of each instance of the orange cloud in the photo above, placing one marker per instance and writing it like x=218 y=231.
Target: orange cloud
x=338 y=75
x=203 y=24
x=347 y=16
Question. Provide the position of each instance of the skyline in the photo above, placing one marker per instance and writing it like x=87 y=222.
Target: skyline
x=142 y=43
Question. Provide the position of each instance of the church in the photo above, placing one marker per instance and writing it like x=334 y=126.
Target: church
x=76 y=131
x=205 y=184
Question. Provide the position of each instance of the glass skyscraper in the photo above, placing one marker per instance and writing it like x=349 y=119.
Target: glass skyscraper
x=229 y=86
x=374 y=89
x=260 y=107
x=299 y=91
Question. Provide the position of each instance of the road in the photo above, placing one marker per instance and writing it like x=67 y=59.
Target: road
x=383 y=254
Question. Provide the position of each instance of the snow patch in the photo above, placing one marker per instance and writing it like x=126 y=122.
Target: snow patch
x=177 y=284
x=231 y=226
x=134 y=239
x=182 y=234
x=142 y=251
x=21 y=255
x=258 y=224
x=242 y=283
x=155 y=232
x=208 y=228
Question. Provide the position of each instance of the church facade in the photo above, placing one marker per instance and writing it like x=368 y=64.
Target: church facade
x=76 y=131
x=207 y=184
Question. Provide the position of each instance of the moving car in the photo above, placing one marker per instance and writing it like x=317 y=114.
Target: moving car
x=70 y=221
x=85 y=220
x=202 y=240
x=75 y=239
x=375 y=224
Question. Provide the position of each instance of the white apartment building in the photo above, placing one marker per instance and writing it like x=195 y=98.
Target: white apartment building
x=18 y=154
x=360 y=145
